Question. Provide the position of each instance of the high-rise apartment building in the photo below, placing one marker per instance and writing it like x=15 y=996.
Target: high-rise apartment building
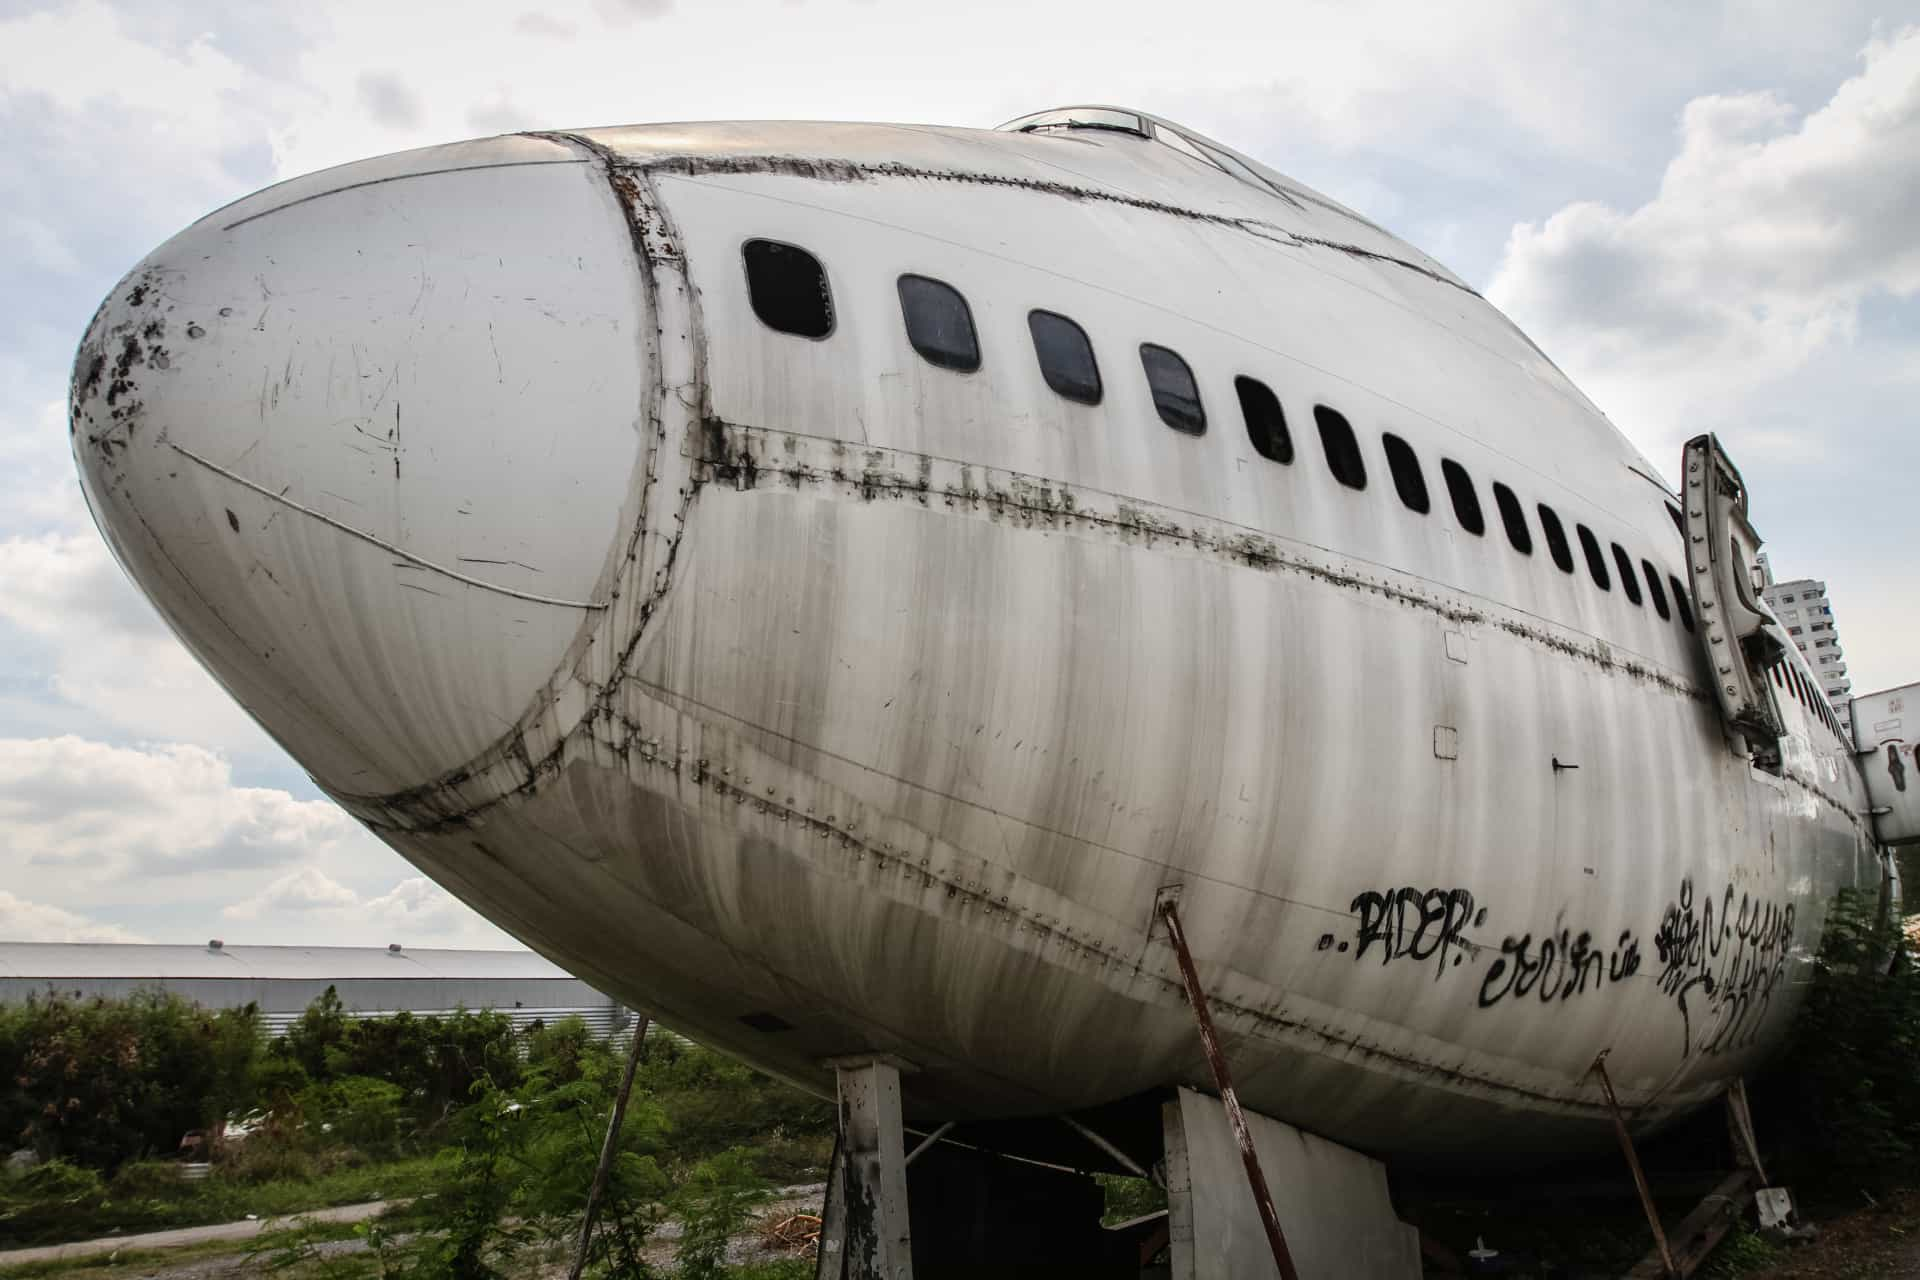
x=1803 y=609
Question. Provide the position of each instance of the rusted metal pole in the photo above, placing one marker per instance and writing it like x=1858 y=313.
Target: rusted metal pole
x=1633 y=1163
x=607 y=1147
x=1262 y=1198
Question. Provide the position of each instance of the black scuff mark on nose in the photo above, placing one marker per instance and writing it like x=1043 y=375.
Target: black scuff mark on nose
x=233 y=521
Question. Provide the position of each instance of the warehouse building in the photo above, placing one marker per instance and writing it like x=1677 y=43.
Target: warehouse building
x=283 y=981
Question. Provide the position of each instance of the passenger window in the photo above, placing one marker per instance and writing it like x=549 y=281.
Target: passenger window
x=1628 y=583
x=1466 y=503
x=1266 y=422
x=1678 y=523
x=938 y=324
x=1514 y=517
x=1556 y=538
x=1065 y=355
x=788 y=288
x=1342 y=450
x=1407 y=479
x=1654 y=589
x=1681 y=602
x=1175 y=395
x=1596 y=563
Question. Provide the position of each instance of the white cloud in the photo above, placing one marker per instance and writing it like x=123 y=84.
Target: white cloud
x=97 y=817
x=388 y=101
x=23 y=921
x=305 y=889
x=147 y=838
x=414 y=911
x=1768 y=233
x=108 y=652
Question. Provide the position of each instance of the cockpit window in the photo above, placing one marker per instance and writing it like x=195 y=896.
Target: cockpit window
x=788 y=287
x=1175 y=394
x=1080 y=118
x=938 y=323
x=1065 y=355
x=1266 y=421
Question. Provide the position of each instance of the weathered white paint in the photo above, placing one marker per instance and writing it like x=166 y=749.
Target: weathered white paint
x=1334 y=1206
x=1886 y=734
x=911 y=688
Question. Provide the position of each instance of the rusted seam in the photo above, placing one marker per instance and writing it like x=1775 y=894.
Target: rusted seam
x=829 y=170
x=379 y=542
x=885 y=474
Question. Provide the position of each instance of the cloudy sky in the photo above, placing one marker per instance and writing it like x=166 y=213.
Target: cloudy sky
x=1709 y=216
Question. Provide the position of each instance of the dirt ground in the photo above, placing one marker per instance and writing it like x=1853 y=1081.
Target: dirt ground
x=1875 y=1240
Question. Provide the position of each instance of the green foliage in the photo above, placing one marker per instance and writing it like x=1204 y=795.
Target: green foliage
x=714 y=1203
x=567 y=1125
x=564 y=1052
x=713 y=1103
x=1744 y=1250
x=146 y=1180
x=1845 y=1094
x=357 y=1111
x=1128 y=1198
x=103 y=1081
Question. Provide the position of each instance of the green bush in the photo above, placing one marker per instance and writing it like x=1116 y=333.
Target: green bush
x=1844 y=1099
x=104 y=1081
x=714 y=1203
x=147 y=1180
x=356 y=1111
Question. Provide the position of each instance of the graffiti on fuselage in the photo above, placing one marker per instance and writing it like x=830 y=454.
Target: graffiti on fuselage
x=1720 y=964
x=1560 y=965
x=1720 y=959
x=1408 y=924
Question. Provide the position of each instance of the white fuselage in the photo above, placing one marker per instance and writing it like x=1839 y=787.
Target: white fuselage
x=820 y=699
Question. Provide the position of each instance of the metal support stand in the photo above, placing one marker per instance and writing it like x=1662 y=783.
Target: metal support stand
x=1197 y=998
x=1633 y=1162
x=864 y=1233
x=607 y=1147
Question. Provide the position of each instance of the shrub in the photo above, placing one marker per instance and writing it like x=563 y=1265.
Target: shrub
x=1845 y=1097
x=147 y=1180
x=357 y=1111
x=102 y=1081
x=714 y=1203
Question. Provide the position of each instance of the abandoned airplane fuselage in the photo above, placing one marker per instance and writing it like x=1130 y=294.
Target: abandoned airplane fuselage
x=822 y=583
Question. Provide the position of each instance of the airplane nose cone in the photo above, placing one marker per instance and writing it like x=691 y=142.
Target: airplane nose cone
x=367 y=440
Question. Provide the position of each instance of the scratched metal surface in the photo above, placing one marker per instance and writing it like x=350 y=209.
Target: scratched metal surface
x=742 y=674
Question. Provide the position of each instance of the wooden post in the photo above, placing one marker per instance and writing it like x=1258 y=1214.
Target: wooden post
x=1197 y=998
x=607 y=1148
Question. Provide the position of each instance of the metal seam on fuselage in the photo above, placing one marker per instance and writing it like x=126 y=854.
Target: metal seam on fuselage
x=830 y=170
x=377 y=541
x=1241 y=544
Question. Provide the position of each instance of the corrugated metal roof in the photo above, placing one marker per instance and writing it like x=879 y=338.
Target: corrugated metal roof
x=146 y=960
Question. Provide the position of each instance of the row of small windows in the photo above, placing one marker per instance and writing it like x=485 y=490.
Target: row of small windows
x=1790 y=678
x=789 y=291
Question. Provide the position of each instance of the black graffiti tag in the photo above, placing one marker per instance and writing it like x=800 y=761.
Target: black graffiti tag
x=1414 y=924
x=1561 y=965
x=1723 y=963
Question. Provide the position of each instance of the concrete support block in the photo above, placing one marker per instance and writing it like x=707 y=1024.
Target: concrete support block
x=864 y=1233
x=1332 y=1201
